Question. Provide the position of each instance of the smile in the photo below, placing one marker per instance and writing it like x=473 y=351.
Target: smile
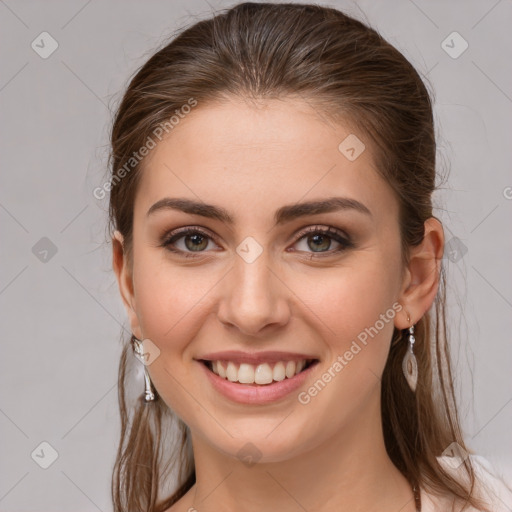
x=257 y=382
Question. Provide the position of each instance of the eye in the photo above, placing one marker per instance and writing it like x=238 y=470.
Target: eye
x=187 y=241
x=319 y=240
x=190 y=240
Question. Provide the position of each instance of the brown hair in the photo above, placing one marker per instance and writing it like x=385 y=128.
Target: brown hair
x=348 y=71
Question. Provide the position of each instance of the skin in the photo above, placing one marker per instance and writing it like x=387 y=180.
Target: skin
x=252 y=159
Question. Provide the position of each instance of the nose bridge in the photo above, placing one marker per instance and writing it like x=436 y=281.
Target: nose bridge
x=255 y=297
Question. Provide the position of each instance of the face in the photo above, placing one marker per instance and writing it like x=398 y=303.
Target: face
x=251 y=271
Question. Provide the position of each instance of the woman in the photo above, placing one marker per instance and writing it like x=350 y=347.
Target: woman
x=277 y=255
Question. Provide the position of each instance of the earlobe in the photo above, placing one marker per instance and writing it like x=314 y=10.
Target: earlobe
x=422 y=275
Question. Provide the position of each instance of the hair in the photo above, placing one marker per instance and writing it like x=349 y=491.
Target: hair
x=348 y=72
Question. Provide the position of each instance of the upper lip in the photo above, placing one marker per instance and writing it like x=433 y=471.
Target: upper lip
x=237 y=356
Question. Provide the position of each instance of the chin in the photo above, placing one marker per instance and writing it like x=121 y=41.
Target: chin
x=263 y=444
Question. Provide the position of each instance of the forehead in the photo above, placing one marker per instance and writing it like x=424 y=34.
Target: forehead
x=247 y=157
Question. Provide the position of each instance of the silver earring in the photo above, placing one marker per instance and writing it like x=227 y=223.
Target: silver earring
x=409 y=363
x=149 y=396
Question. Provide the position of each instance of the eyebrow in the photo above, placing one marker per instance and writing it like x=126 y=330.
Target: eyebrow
x=282 y=215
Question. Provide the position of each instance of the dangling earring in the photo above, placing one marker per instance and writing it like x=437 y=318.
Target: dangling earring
x=149 y=396
x=409 y=363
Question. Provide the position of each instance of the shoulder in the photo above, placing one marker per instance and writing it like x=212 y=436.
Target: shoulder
x=495 y=489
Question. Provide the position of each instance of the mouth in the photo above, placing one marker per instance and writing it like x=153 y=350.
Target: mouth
x=258 y=374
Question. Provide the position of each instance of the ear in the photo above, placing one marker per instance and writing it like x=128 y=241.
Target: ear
x=421 y=277
x=123 y=271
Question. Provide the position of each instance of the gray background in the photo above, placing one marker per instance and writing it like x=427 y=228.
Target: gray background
x=61 y=313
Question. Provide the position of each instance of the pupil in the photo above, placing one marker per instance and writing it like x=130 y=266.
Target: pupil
x=322 y=238
x=194 y=246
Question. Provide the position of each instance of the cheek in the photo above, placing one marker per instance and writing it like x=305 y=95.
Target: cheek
x=167 y=297
x=350 y=300
x=171 y=305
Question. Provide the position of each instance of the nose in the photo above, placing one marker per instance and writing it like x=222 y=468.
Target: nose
x=255 y=299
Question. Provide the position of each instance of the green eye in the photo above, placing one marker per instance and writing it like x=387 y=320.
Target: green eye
x=318 y=241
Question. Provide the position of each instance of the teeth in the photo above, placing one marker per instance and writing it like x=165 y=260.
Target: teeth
x=257 y=374
x=290 y=369
x=220 y=370
x=232 y=372
x=279 y=371
x=263 y=374
x=246 y=374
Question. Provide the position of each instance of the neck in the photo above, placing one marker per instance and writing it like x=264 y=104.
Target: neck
x=349 y=471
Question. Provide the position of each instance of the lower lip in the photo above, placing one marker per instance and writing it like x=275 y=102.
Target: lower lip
x=257 y=394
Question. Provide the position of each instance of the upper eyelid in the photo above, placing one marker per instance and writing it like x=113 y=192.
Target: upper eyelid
x=322 y=228
x=180 y=232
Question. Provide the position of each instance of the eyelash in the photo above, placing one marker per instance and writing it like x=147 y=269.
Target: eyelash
x=330 y=232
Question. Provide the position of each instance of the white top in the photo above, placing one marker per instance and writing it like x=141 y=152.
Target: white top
x=497 y=491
